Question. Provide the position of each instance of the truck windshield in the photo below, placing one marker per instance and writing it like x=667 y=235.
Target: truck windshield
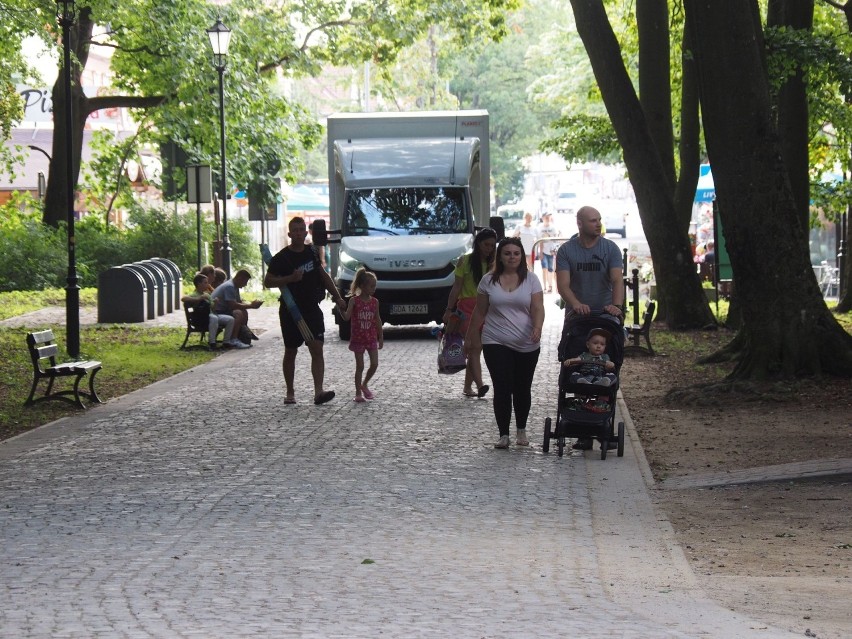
x=406 y=211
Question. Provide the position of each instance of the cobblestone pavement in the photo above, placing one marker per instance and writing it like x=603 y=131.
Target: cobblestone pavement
x=202 y=506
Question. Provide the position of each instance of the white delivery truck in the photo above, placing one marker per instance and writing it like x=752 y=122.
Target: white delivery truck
x=407 y=192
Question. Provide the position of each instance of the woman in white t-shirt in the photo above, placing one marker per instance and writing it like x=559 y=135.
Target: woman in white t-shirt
x=511 y=301
x=528 y=234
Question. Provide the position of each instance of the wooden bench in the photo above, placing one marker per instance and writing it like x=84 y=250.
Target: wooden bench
x=198 y=321
x=637 y=331
x=43 y=351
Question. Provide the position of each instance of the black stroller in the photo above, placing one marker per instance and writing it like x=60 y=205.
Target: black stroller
x=579 y=413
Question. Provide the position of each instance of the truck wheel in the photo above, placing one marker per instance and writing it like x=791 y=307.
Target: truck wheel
x=345 y=330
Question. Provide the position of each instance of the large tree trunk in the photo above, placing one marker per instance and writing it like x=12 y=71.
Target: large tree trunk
x=652 y=22
x=793 y=122
x=844 y=304
x=690 y=134
x=689 y=147
x=787 y=329
x=677 y=280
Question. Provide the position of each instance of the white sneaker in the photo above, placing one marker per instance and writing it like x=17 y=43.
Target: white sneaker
x=521 y=438
x=503 y=443
x=604 y=381
x=235 y=343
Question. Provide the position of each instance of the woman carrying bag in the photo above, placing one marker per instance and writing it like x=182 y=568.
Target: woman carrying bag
x=462 y=301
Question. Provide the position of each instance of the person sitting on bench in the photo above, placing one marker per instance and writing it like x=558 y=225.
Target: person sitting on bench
x=216 y=321
x=227 y=301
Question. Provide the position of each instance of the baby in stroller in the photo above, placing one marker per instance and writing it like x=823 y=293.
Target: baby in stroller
x=595 y=366
x=590 y=354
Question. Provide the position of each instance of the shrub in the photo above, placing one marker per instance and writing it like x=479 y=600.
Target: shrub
x=32 y=256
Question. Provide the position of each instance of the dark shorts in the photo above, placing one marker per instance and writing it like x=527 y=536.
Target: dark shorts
x=312 y=316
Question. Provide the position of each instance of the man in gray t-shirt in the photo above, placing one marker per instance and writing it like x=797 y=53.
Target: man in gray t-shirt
x=589 y=274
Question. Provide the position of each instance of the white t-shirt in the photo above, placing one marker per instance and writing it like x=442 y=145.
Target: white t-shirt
x=544 y=232
x=528 y=235
x=509 y=319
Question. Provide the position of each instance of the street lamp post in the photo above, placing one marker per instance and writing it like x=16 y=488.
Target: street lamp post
x=220 y=39
x=65 y=15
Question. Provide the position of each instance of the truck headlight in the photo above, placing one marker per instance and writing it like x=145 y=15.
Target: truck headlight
x=348 y=262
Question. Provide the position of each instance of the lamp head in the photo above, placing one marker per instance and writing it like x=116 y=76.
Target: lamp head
x=220 y=39
x=65 y=8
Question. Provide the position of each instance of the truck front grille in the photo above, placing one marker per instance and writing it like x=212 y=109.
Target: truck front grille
x=407 y=276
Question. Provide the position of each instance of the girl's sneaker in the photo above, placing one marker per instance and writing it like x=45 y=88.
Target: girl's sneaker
x=503 y=442
x=368 y=394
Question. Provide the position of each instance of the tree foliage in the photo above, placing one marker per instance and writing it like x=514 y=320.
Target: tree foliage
x=824 y=54
x=162 y=70
x=584 y=138
x=498 y=77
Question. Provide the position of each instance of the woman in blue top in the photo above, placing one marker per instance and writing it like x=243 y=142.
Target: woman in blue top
x=511 y=303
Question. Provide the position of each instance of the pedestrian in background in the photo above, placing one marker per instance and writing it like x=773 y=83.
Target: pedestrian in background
x=462 y=300
x=511 y=303
x=528 y=235
x=547 y=251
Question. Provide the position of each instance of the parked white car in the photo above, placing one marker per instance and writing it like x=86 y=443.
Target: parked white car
x=566 y=202
x=614 y=218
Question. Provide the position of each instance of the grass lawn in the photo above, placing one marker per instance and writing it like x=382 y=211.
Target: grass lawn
x=133 y=357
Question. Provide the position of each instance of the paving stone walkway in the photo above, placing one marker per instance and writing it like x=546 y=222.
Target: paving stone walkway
x=202 y=506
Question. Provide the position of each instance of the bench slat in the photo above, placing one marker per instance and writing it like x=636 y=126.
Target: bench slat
x=40 y=337
x=86 y=365
x=50 y=350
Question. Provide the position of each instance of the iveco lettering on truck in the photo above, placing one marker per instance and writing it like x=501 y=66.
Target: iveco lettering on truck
x=407 y=192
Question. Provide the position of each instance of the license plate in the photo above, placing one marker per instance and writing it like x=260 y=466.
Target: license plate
x=409 y=309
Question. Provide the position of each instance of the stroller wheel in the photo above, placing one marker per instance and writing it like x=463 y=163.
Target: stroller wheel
x=620 y=449
x=545 y=446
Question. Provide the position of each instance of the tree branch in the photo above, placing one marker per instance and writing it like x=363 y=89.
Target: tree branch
x=128 y=101
x=304 y=46
x=111 y=45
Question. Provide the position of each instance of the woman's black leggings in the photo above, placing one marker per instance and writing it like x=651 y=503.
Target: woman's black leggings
x=512 y=375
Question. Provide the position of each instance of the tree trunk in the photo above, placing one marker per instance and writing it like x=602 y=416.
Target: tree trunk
x=56 y=195
x=677 y=280
x=652 y=22
x=690 y=133
x=793 y=106
x=689 y=148
x=787 y=329
x=844 y=303
x=56 y=203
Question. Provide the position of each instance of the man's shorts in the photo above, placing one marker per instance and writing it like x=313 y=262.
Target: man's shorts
x=313 y=317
